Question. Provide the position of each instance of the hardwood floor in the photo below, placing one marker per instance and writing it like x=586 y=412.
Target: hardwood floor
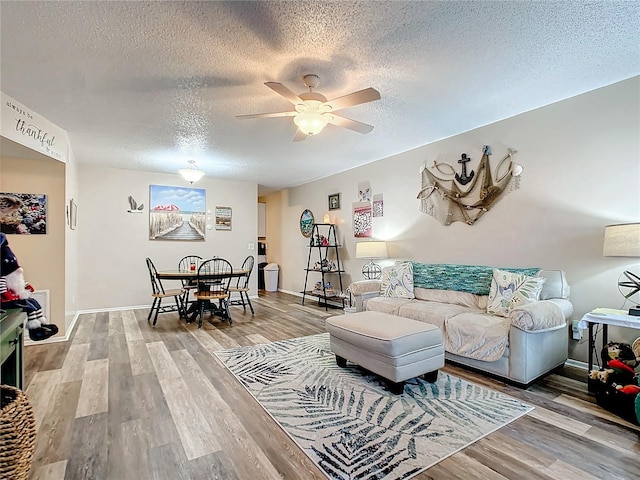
x=122 y=400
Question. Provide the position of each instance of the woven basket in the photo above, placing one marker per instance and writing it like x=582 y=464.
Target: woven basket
x=17 y=433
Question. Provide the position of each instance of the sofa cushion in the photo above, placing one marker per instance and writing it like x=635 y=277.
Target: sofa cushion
x=397 y=281
x=434 y=313
x=386 y=304
x=463 y=278
x=555 y=285
x=477 y=335
x=509 y=290
x=451 y=296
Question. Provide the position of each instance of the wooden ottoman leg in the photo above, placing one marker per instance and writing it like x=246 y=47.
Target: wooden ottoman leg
x=396 y=388
x=342 y=362
x=431 y=377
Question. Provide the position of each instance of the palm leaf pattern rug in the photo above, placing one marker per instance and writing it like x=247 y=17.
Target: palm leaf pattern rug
x=350 y=425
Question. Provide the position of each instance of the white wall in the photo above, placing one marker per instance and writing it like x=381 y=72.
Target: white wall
x=113 y=244
x=581 y=172
x=71 y=243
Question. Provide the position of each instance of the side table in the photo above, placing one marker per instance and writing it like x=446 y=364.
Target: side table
x=605 y=317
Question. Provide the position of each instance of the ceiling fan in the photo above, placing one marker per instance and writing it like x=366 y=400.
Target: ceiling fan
x=313 y=111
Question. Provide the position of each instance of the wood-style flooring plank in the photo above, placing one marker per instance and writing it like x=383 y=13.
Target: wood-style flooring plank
x=560 y=469
x=89 y=447
x=130 y=324
x=153 y=410
x=73 y=367
x=135 y=444
x=196 y=436
x=94 y=393
x=50 y=471
x=54 y=436
x=139 y=357
x=40 y=392
x=460 y=466
x=84 y=328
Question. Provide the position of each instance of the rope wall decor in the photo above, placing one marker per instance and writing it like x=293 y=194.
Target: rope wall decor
x=443 y=199
x=17 y=434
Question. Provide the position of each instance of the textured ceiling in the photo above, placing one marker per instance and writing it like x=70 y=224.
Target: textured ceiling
x=149 y=85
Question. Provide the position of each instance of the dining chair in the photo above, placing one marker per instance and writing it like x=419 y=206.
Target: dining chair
x=213 y=280
x=190 y=262
x=158 y=292
x=241 y=286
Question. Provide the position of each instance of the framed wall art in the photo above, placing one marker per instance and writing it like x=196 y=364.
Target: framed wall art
x=23 y=213
x=223 y=218
x=306 y=223
x=176 y=213
x=334 y=201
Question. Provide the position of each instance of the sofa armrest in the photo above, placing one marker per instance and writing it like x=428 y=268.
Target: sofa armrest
x=363 y=290
x=541 y=315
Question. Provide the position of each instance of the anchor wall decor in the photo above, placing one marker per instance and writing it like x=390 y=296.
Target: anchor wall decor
x=443 y=199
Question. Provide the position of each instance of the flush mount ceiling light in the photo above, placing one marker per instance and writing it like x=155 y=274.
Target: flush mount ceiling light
x=191 y=174
x=312 y=111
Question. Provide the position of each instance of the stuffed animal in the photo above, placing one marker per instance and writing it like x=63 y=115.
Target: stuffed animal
x=15 y=293
x=602 y=375
x=622 y=352
x=627 y=389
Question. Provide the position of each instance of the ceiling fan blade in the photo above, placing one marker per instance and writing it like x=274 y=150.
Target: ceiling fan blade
x=348 y=123
x=280 y=89
x=268 y=115
x=299 y=136
x=355 y=98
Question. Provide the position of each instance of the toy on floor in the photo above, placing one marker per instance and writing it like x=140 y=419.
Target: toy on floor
x=15 y=293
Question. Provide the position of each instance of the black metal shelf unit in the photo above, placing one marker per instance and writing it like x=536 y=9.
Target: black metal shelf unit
x=324 y=247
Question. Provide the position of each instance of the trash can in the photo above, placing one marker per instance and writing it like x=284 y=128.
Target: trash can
x=261 y=275
x=271 y=277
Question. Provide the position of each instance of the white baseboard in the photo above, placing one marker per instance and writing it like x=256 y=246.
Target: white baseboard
x=577 y=364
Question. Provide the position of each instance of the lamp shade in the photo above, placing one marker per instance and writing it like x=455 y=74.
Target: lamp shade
x=191 y=173
x=310 y=122
x=371 y=250
x=622 y=240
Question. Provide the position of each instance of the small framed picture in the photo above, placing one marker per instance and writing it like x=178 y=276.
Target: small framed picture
x=334 y=201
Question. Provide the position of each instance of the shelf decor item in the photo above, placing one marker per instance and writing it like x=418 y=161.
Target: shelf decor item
x=306 y=223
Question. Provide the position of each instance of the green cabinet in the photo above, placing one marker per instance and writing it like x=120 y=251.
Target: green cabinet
x=11 y=347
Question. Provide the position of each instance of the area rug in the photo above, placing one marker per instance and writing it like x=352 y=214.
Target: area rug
x=350 y=425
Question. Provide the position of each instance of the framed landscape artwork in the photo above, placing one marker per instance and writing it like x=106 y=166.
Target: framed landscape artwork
x=176 y=213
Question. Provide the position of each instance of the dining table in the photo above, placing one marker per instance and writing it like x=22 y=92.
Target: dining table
x=191 y=275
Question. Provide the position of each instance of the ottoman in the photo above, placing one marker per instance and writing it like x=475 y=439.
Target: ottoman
x=395 y=348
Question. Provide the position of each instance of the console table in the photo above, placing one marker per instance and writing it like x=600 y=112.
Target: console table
x=605 y=317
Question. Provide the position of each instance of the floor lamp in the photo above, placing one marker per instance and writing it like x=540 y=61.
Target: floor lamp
x=624 y=241
x=371 y=250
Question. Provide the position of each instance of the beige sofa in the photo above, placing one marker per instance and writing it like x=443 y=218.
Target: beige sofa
x=531 y=341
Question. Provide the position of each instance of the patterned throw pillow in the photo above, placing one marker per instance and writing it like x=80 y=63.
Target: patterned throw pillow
x=397 y=281
x=509 y=290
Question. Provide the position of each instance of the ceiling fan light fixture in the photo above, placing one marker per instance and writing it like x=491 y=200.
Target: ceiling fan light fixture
x=310 y=122
x=191 y=174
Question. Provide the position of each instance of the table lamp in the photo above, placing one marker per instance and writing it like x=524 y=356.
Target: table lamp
x=623 y=240
x=371 y=250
